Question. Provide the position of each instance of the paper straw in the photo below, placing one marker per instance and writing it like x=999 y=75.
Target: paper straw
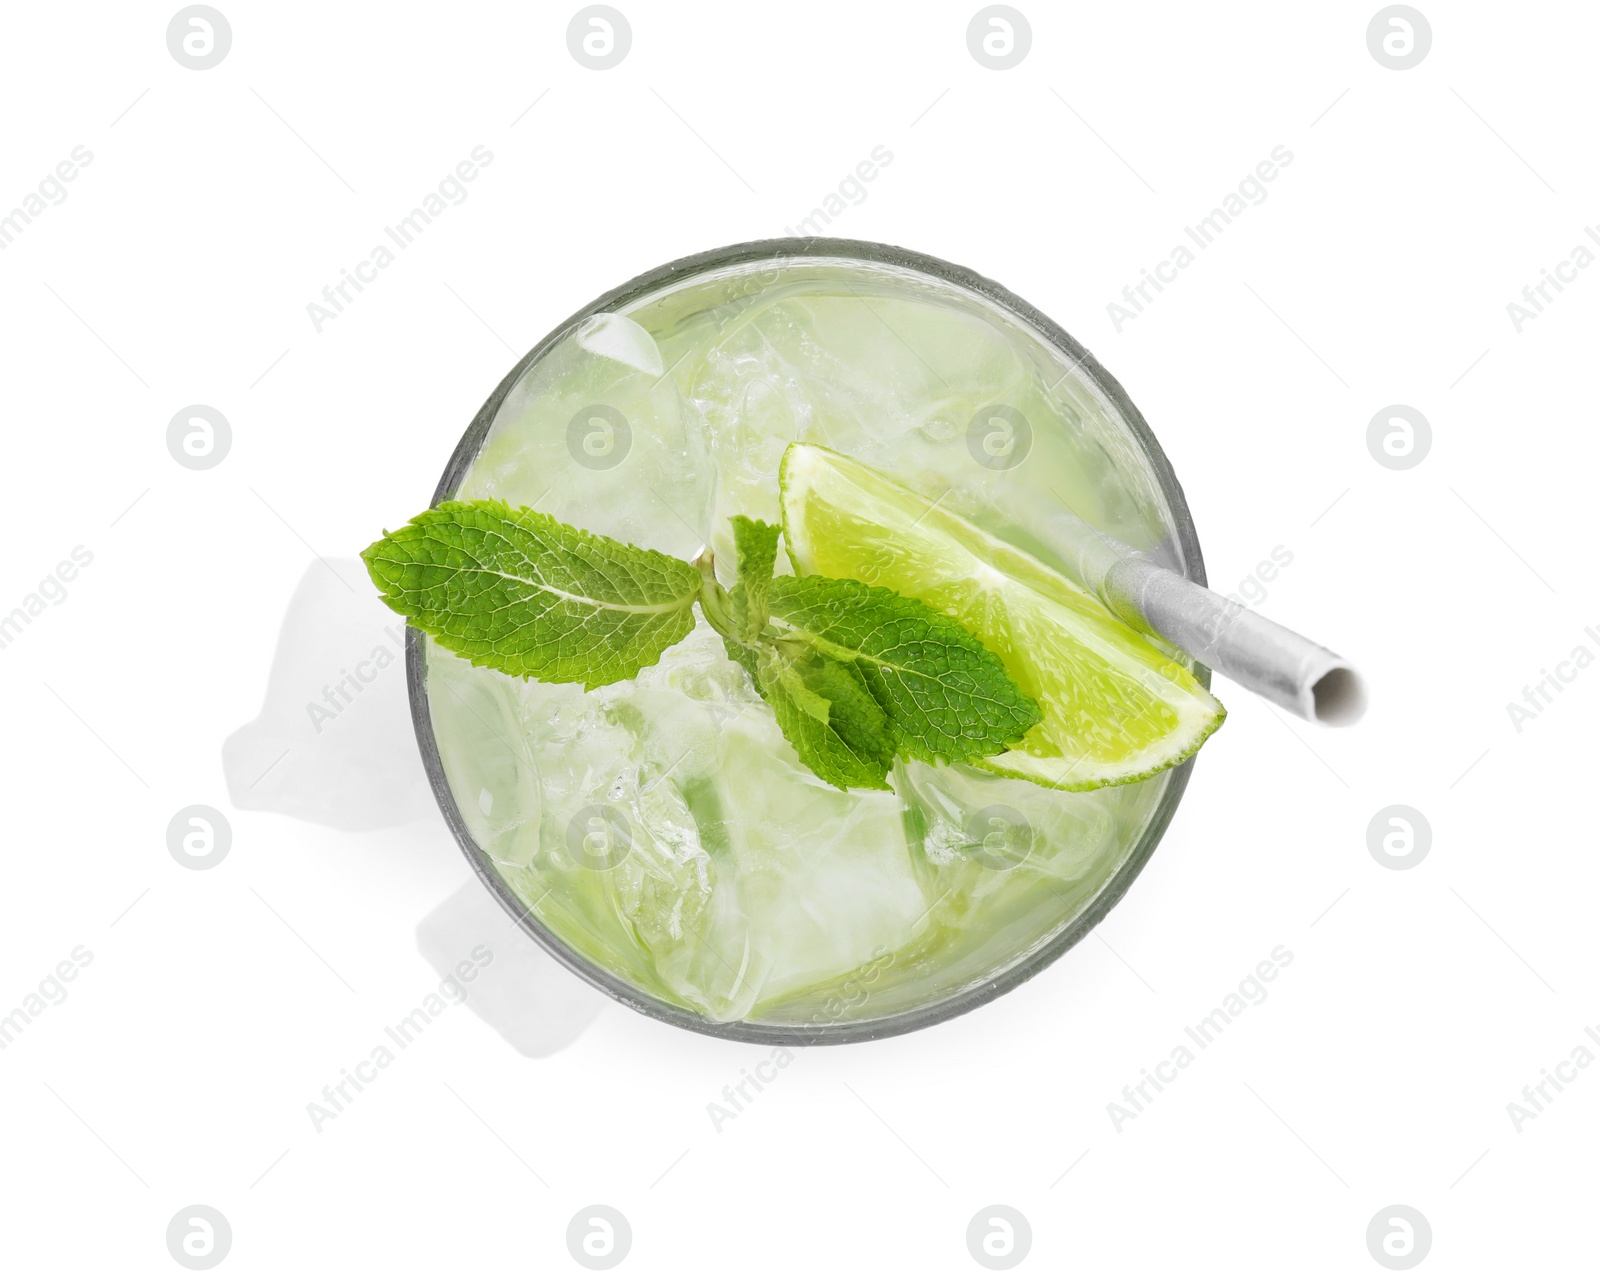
x=1244 y=646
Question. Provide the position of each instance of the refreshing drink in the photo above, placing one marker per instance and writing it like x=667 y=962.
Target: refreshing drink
x=661 y=832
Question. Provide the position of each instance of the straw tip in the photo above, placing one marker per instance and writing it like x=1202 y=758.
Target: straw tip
x=1338 y=697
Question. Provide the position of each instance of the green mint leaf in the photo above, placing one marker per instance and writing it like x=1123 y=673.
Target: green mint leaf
x=520 y=592
x=947 y=696
x=756 y=545
x=824 y=710
x=823 y=706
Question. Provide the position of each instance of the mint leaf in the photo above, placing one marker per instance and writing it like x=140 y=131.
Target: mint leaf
x=947 y=696
x=756 y=545
x=824 y=710
x=520 y=592
x=823 y=707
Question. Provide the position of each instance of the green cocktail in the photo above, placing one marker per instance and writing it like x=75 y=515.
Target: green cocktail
x=660 y=833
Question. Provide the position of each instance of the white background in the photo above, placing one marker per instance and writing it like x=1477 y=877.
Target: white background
x=1419 y=1003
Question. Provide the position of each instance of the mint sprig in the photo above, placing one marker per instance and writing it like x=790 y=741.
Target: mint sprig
x=854 y=673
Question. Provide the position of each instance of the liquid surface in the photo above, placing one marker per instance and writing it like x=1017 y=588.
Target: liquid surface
x=662 y=827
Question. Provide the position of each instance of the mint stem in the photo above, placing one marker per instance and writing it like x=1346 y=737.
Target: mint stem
x=714 y=603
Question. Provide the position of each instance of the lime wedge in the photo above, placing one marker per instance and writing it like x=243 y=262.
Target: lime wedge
x=1116 y=708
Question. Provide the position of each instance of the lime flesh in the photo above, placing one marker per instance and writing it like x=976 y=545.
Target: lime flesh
x=1116 y=708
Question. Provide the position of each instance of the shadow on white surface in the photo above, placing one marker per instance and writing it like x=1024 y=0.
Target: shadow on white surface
x=334 y=745
x=523 y=994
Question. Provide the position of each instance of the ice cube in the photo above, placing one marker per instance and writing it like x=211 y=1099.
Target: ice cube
x=619 y=337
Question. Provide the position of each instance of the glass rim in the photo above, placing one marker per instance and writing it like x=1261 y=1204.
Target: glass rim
x=835 y=1032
